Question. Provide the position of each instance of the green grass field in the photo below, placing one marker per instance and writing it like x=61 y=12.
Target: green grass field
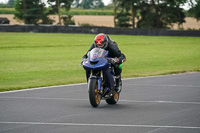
x=72 y=11
x=30 y=60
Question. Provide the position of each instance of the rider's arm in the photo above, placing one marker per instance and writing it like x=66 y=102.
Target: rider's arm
x=122 y=58
x=115 y=52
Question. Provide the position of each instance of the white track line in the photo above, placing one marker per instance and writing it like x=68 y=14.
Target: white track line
x=101 y=125
x=71 y=99
x=168 y=102
x=160 y=76
x=42 y=98
x=39 y=88
x=85 y=83
x=191 y=86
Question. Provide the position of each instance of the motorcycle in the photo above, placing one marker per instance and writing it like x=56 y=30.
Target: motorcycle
x=101 y=78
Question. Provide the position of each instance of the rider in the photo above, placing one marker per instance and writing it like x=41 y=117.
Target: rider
x=103 y=41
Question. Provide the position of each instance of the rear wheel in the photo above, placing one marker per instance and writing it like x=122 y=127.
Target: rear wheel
x=114 y=99
x=94 y=95
x=120 y=86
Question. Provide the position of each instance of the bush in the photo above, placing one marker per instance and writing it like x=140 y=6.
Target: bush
x=86 y=12
x=2 y=11
x=85 y=25
x=67 y=20
x=63 y=12
x=5 y=6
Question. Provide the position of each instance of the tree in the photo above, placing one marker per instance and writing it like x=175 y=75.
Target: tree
x=31 y=12
x=151 y=13
x=98 y=4
x=123 y=18
x=57 y=4
x=67 y=20
x=117 y=4
x=160 y=13
x=87 y=4
x=91 y=4
x=109 y=7
x=131 y=5
x=76 y=3
x=11 y=3
x=195 y=10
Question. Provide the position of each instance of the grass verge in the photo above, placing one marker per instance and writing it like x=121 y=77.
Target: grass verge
x=71 y=12
x=30 y=60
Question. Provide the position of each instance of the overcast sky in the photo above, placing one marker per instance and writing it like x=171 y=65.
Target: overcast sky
x=106 y=2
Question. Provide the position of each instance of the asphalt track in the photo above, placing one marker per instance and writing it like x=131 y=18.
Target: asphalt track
x=162 y=104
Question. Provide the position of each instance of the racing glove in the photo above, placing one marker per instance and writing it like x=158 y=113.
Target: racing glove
x=113 y=61
x=83 y=59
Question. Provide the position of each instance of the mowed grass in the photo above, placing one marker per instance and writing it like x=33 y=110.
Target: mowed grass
x=72 y=11
x=29 y=60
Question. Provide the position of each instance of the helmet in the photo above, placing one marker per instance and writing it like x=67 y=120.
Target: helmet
x=101 y=40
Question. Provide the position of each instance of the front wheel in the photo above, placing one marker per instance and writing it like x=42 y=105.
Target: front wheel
x=94 y=95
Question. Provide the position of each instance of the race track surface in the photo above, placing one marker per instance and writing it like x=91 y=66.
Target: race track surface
x=161 y=104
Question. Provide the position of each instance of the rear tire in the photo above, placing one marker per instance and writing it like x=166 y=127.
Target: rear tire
x=114 y=99
x=120 y=85
x=94 y=95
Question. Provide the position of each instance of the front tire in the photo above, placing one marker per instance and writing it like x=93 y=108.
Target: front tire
x=94 y=95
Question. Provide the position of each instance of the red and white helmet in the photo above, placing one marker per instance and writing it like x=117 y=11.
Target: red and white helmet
x=101 y=40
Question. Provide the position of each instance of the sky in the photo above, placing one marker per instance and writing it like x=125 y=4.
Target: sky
x=106 y=2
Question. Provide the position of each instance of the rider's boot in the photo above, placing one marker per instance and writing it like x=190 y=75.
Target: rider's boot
x=110 y=93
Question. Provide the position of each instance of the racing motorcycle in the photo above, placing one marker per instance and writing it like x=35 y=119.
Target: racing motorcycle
x=101 y=77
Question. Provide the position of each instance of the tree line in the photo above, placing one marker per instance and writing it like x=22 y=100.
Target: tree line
x=153 y=13
x=127 y=13
x=38 y=11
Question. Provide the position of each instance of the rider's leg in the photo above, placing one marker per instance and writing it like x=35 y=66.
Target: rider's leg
x=87 y=74
x=117 y=74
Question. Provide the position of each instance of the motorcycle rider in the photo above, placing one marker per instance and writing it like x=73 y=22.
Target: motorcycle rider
x=103 y=41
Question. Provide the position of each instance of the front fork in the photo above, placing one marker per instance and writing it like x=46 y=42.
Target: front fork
x=99 y=80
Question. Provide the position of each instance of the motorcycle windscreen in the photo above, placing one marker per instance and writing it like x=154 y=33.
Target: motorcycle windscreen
x=96 y=53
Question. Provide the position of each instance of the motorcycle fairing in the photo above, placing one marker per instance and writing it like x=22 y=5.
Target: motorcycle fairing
x=96 y=61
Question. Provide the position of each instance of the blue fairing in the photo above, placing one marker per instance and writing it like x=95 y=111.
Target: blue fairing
x=96 y=61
